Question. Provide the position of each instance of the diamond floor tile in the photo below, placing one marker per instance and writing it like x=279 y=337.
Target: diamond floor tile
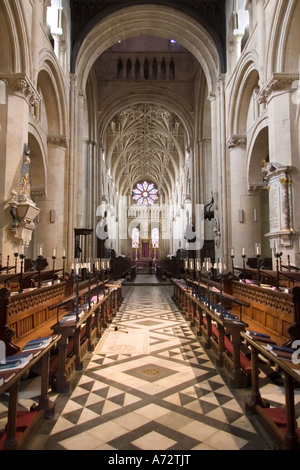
x=171 y=398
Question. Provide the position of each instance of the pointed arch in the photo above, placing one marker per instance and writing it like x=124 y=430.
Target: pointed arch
x=144 y=20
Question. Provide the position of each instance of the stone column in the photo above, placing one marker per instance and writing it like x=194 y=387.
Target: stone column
x=18 y=98
x=284 y=155
x=281 y=231
x=51 y=230
x=245 y=228
x=75 y=183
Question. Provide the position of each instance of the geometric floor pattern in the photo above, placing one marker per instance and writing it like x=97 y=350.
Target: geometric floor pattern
x=171 y=398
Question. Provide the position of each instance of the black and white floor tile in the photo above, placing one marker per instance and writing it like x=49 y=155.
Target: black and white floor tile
x=169 y=399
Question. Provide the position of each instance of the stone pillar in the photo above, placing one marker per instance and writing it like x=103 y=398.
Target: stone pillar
x=282 y=130
x=245 y=228
x=284 y=155
x=51 y=230
x=18 y=98
x=75 y=183
x=279 y=180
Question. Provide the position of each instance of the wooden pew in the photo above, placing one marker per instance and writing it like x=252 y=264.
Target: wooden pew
x=269 y=310
x=280 y=421
x=77 y=338
x=221 y=334
x=22 y=424
x=26 y=315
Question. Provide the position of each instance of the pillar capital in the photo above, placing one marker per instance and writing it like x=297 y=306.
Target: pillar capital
x=236 y=141
x=20 y=84
x=277 y=82
x=58 y=140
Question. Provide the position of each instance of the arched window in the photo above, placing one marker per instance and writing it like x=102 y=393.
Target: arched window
x=172 y=70
x=135 y=238
x=145 y=194
x=154 y=70
x=155 y=238
x=137 y=69
x=120 y=69
x=128 y=69
x=146 y=69
x=163 y=70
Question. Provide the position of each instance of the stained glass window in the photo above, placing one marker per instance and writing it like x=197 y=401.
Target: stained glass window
x=155 y=238
x=145 y=194
x=135 y=238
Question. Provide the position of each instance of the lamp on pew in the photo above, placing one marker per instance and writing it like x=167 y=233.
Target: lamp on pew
x=221 y=275
x=53 y=263
x=76 y=277
x=192 y=267
x=16 y=255
x=22 y=257
x=198 y=267
x=244 y=258
x=39 y=263
x=88 y=273
x=232 y=258
x=64 y=262
x=98 y=272
x=258 y=255
x=277 y=254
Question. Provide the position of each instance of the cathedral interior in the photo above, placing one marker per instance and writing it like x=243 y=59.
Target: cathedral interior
x=153 y=138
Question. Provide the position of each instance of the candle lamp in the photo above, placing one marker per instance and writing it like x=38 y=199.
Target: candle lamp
x=97 y=271
x=64 y=262
x=244 y=262
x=88 y=274
x=221 y=275
x=76 y=278
x=277 y=254
x=258 y=255
x=53 y=263
x=192 y=267
x=185 y=269
x=22 y=257
x=198 y=267
x=16 y=255
x=232 y=258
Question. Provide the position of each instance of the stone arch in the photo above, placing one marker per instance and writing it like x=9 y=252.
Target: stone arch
x=283 y=55
x=50 y=83
x=38 y=165
x=257 y=153
x=144 y=20
x=15 y=56
x=247 y=80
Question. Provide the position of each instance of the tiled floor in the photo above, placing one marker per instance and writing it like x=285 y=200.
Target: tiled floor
x=163 y=394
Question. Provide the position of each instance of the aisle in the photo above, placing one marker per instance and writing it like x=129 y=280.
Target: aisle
x=168 y=396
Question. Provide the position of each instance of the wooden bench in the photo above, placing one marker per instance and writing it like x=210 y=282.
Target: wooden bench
x=281 y=420
x=78 y=337
x=26 y=315
x=269 y=310
x=22 y=424
x=221 y=334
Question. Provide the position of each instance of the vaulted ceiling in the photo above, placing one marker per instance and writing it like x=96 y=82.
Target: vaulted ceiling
x=146 y=139
x=145 y=142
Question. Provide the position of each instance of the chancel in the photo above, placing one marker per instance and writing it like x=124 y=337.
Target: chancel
x=149 y=225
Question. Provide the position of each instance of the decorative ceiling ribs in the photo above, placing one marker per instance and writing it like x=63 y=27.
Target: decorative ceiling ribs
x=142 y=144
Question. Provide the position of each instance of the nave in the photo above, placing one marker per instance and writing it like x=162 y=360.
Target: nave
x=161 y=392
